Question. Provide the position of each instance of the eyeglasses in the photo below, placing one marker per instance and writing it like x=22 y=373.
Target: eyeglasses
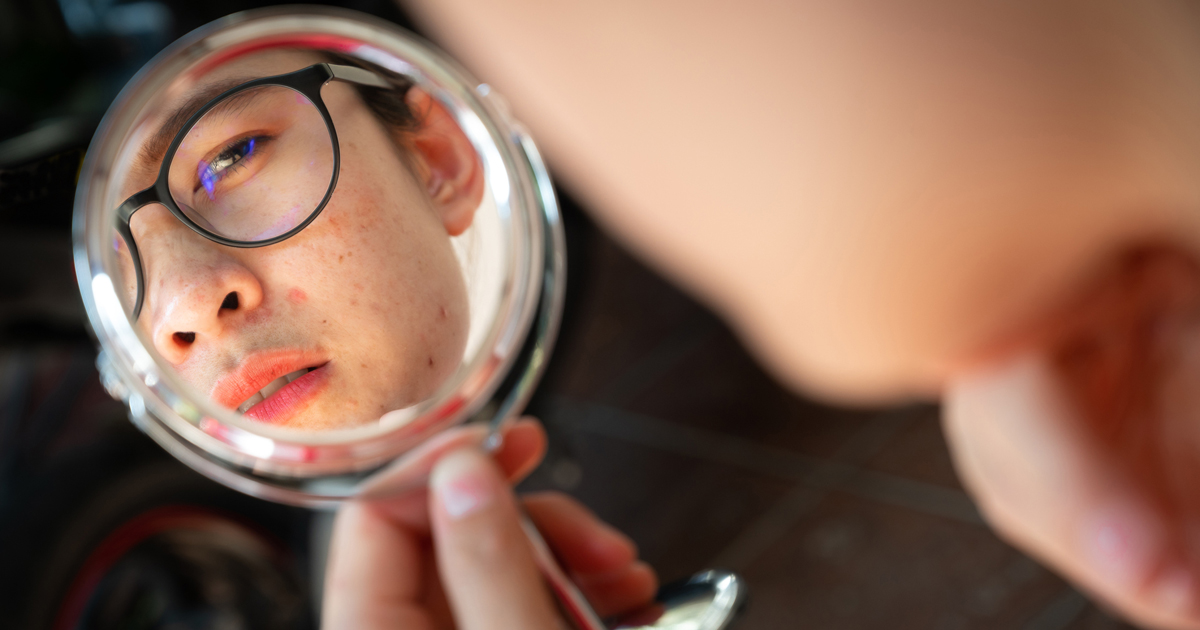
x=253 y=166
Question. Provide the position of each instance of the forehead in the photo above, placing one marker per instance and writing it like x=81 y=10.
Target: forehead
x=163 y=116
x=258 y=64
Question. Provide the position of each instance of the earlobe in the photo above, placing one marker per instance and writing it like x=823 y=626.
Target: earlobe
x=447 y=163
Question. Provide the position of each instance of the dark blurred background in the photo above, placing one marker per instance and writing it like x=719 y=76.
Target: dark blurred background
x=658 y=418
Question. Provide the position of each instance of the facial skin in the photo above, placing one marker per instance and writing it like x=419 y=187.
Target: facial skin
x=370 y=292
x=996 y=202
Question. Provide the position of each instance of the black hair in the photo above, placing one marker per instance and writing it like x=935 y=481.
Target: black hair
x=388 y=104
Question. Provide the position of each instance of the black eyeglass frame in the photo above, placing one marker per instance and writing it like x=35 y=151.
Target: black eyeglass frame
x=308 y=82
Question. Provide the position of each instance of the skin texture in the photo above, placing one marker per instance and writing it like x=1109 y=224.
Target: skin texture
x=995 y=202
x=372 y=285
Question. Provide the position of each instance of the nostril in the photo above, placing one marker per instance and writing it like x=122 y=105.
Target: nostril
x=184 y=338
x=231 y=301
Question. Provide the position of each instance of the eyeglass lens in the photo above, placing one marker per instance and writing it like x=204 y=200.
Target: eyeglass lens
x=255 y=166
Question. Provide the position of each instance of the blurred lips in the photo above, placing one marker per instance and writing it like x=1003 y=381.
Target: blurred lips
x=301 y=375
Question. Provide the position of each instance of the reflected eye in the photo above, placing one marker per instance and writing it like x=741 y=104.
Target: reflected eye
x=225 y=162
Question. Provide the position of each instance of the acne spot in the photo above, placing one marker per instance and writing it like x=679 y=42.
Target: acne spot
x=363 y=364
x=442 y=312
x=297 y=295
x=431 y=361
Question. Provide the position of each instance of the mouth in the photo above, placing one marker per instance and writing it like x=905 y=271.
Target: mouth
x=272 y=386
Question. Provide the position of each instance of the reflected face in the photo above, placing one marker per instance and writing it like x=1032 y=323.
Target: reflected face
x=363 y=311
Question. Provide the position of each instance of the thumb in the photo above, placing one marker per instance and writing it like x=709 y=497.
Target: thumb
x=1046 y=485
x=483 y=556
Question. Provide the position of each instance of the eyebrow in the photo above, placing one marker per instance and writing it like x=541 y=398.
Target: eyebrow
x=149 y=157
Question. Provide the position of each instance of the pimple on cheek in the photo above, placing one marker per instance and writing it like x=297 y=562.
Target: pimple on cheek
x=297 y=295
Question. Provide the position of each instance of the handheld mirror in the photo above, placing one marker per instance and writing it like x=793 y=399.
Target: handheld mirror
x=308 y=243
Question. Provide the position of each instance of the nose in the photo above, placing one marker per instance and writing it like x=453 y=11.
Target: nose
x=197 y=290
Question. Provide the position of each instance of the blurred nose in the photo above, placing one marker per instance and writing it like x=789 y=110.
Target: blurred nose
x=198 y=291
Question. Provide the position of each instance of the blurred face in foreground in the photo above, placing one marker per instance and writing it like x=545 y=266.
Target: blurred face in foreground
x=994 y=201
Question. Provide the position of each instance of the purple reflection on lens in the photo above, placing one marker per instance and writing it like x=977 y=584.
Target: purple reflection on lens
x=288 y=221
x=227 y=160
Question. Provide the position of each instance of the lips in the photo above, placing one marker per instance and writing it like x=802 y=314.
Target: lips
x=273 y=386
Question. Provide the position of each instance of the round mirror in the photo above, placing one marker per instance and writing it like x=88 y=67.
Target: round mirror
x=308 y=242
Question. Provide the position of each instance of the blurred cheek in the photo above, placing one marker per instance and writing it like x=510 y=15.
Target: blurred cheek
x=871 y=320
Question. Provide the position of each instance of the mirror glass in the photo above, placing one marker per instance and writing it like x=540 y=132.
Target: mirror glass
x=298 y=285
x=307 y=241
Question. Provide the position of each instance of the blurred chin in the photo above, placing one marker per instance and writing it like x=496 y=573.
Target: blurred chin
x=817 y=363
x=886 y=334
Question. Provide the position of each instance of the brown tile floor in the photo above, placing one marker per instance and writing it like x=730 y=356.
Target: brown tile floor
x=662 y=423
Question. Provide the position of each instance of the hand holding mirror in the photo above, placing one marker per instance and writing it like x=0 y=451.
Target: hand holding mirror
x=307 y=243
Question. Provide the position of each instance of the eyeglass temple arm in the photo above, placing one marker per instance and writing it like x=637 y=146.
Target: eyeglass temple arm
x=357 y=75
x=124 y=215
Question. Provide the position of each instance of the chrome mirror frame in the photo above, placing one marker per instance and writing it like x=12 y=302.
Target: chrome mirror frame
x=308 y=468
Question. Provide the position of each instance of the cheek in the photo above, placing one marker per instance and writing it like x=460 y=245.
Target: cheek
x=369 y=254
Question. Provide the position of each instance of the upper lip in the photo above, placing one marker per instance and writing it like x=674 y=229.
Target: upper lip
x=257 y=370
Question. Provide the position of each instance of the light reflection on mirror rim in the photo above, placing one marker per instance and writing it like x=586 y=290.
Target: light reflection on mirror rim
x=287 y=464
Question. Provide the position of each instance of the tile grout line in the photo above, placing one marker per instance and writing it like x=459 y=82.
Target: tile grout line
x=660 y=360
x=680 y=439
x=1059 y=614
x=814 y=479
x=771 y=526
x=714 y=447
x=784 y=515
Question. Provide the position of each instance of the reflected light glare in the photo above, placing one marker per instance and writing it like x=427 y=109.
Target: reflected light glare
x=254 y=445
x=104 y=293
x=248 y=443
x=107 y=302
x=492 y=161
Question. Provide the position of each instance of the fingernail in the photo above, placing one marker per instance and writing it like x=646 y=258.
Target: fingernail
x=1020 y=398
x=1014 y=388
x=1119 y=543
x=463 y=482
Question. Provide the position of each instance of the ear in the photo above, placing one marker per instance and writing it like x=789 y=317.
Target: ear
x=446 y=162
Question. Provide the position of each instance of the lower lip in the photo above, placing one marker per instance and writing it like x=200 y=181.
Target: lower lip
x=291 y=398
